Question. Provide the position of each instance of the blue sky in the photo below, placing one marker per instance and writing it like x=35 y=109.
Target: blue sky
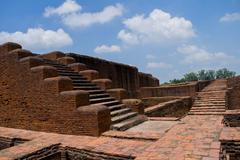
x=164 y=38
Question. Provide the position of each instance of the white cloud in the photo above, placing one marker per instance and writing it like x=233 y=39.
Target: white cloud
x=71 y=15
x=158 y=65
x=107 y=49
x=69 y=6
x=38 y=38
x=158 y=27
x=193 y=54
x=230 y=17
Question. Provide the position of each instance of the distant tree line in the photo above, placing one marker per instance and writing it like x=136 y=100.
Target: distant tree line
x=204 y=75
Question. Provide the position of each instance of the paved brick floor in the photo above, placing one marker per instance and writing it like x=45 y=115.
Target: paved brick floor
x=153 y=126
x=194 y=137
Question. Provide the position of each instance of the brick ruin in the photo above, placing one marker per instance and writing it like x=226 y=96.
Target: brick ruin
x=70 y=106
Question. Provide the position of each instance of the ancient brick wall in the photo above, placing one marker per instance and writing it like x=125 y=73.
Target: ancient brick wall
x=122 y=76
x=233 y=94
x=173 y=90
x=147 y=80
x=174 y=108
x=32 y=96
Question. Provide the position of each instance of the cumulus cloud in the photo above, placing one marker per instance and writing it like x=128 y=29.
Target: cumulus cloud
x=71 y=15
x=38 y=38
x=157 y=27
x=69 y=6
x=158 y=65
x=193 y=54
x=230 y=17
x=107 y=49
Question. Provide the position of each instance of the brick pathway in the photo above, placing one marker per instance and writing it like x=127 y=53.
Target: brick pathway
x=196 y=138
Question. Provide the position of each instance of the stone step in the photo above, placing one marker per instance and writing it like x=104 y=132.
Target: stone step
x=116 y=107
x=211 y=104
x=100 y=100
x=208 y=104
x=120 y=111
x=207 y=110
x=77 y=78
x=80 y=81
x=60 y=69
x=124 y=125
x=97 y=91
x=211 y=95
x=66 y=71
x=63 y=68
x=52 y=63
x=86 y=88
x=83 y=84
x=212 y=107
x=212 y=92
x=70 y=74
x=205 y=101
x=206 y=113
x=101 y=95
x=210 y=99
x=120 y=118
x=110 y=103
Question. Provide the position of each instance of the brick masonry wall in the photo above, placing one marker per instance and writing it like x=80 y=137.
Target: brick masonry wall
x=122 y=76
x=174 y=90
x=31 y=99
x=174 y=108
x=233 y=94
x=147 y=80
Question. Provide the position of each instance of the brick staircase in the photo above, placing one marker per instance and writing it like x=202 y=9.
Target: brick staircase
x=211 y=100
x=121 y=116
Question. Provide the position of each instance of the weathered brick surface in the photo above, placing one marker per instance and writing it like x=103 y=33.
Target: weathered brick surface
x=196 y=138
x=147 y=80
x=135 y=104
x=233 y=94
x=173 y=108
x=173 y=90
x=122 y=76
x=34 y=97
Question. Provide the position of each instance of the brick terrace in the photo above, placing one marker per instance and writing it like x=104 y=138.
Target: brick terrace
x=195 y=137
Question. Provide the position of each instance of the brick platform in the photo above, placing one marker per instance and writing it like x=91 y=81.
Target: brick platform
x=195 y=137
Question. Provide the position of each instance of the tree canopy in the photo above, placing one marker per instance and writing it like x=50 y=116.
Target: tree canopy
x=204 y=75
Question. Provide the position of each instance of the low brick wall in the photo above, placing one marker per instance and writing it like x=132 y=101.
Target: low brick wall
x=174 y=108
x=233 y=93
x=151 y=101
x=173 y=90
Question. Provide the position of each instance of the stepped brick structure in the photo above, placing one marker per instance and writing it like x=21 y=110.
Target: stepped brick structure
x=122 y=76
x=59 y=106
x=54 y=92
x=211 y=100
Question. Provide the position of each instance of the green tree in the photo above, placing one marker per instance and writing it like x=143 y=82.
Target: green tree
x=190 y=77
x=224 y=73
x=210 y=75
x=204 y=75
x=175 y=81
